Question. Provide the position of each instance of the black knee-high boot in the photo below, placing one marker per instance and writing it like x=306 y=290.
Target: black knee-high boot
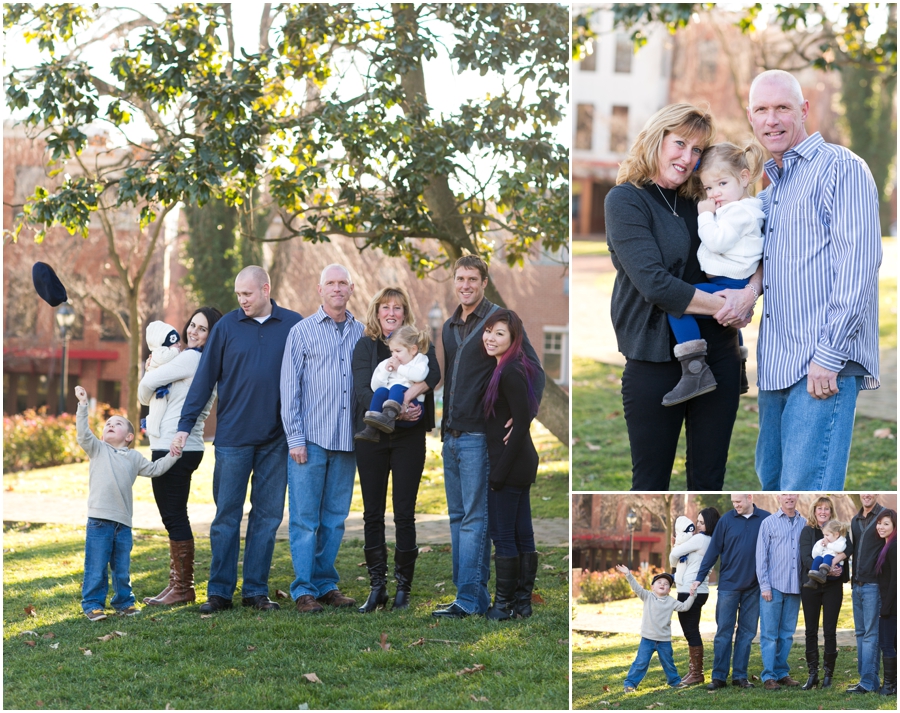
x=376 y=563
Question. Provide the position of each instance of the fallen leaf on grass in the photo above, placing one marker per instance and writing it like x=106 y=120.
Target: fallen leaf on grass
x=477 y=667
x=612 y=415
x=752 y=407
x=251 y=648
x=422 y=550
x=361 y=579
x=360 y=564
x=548 y=566
x=206 y=616
x=49 y=635
x=566 y=558
x=30 y=610
x=562 y=641
x=537 y=598
x=545 y=499
x=113 y=635
x=419 y=642
x=280 y=595
x=311 y=677
x=479 y=699
x=54 y=646
x=440 y=584
x=87 y=652
x=606 y=689
x=591 y=446
x=39 y=703
x=28 y=633
x=754 y=677
x=385 y=646
x=30 y=643
x=883 y=433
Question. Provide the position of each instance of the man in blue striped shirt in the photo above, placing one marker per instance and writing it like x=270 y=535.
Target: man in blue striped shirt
x=318 y=404
x=818 y=338
x=778 y=572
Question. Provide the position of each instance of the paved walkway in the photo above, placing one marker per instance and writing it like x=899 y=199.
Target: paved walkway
x=593 y=336
x=430 y=529
x=598 y=623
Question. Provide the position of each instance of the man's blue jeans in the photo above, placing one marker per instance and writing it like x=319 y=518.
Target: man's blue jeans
x=466 y=483
x=804 y=443
x=866 y=608
x=777 y=624
x=319 y=493
x=106 y=544
x=230 y=479
x=641 y=663
x=741 y=607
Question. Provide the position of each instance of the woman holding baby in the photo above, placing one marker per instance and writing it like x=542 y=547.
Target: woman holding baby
x=171 y=367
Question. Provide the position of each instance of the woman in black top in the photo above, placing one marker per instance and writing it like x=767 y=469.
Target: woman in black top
x=510 y=394
x=825 y=599
x=651 y=230
x=886 y=569
x=399 y=455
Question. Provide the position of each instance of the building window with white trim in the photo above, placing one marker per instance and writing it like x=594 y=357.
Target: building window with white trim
x=556 y=353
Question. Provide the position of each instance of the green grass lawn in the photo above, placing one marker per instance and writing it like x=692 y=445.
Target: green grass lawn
x=549 y=495
x=243 y=659
x=589 y=247
x=601 y=456
x=600 y=663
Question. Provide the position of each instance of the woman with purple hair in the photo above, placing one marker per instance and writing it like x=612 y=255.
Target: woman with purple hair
x=886 y=570
x=510 y=396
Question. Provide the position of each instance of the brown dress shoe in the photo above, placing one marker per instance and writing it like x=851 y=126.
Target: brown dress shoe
x=307 y=604
x=771 y=685
x=334 y=598
x=788 y=681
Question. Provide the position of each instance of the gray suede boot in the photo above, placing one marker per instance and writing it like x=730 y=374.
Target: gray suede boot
x=696 y=377
x=385 y=420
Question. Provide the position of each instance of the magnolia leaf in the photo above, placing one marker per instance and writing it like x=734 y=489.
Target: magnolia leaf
x=537 y=598
x=477 y=667
x=591 y=446
x=54 y=646
x=87 y=652
x=385 y=646
x=30 y=610
x=31 y=643
x=251 y=648
x=28 y=633
x=423 y=550
x=418 y=642
x=311 y=677
x=49 y=635
x=479 y=699
x=548 y=566
x=281 y=595
x=883 y=433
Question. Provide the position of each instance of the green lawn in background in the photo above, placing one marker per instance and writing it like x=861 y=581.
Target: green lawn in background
x=589 y=247
x=244 y=659
x=600 y=663
x=601 y=456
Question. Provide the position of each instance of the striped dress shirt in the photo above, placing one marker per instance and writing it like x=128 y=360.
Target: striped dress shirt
x=822 y=249
x=778 y=553
x=318 y=403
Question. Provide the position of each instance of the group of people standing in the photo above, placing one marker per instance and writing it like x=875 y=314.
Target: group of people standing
x=305 y=403
x=765 y=562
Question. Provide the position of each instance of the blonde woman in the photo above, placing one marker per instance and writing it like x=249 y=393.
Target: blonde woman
x=651 y=230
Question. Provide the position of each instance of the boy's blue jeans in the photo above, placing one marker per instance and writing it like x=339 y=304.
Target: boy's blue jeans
x=107 y=544
x=395 y=393
x=641 y=663
x=685 y=327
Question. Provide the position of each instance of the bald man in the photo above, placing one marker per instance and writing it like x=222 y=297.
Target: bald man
x=818 y=336
x=242 y=359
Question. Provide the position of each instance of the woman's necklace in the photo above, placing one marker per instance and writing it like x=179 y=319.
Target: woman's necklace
x=667 y=201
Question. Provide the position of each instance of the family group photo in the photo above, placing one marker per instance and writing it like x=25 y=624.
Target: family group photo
x=286 y=361
x=742 y=598
x=734 y=222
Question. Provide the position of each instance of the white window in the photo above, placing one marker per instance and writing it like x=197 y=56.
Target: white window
x=556 y=354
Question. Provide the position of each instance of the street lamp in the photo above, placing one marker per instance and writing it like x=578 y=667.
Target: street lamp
x=631 y=521
x=65 y=319
x=435 y=320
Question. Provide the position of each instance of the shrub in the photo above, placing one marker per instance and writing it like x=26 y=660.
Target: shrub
x=35 y=440
x=609 y=586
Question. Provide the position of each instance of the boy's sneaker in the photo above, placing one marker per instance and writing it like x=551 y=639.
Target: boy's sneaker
x=95 y=614
x=128 y=611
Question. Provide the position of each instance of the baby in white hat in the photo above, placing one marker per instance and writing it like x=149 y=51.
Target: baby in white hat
x=164 y=343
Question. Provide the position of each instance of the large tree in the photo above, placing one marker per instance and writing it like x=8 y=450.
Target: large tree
x=329 y=118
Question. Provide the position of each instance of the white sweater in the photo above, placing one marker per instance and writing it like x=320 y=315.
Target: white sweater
x=405 y=375
x=686 y=572
x=179 y=373
x=731 y=238
x=822 y=548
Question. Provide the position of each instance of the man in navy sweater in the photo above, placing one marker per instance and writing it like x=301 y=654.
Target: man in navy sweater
x=243 y=359
x=734 y=542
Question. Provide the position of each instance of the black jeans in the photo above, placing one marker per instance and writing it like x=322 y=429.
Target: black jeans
x=509 y=521
x=171 y=491
x=827 y=599
x=653 y=429
x=402 y=458
x=887 y=636
x=690 y=619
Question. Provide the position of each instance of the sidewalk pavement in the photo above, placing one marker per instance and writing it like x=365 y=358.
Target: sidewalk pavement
x=430 y=529
x=597 y=623
x=592 y=334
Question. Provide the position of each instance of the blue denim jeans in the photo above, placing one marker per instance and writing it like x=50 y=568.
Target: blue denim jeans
x=742 y=607
x=230 y=479
x=466 y=483
x=804 y=443
x=866 y=609
x=509 y=521
x=106 y=544
x=777 y=624
x=641 y=663
x=319 y=494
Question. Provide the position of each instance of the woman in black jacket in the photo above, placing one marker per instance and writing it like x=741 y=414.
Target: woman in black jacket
x=510 y=395
x=399 y=456
x=651 y=230
x=886 y=569
x=826 y=599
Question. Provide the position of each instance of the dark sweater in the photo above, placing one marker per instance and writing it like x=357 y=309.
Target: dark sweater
x=467 y=369
x=368 y=354
x=865 y=546
x=244 y=358
x=655 y=256
x=515 y=462
x=809 y=536
x=887 y=580
x=734 y=539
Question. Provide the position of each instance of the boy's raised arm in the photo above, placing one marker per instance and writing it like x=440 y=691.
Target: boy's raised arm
x=83 y=434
